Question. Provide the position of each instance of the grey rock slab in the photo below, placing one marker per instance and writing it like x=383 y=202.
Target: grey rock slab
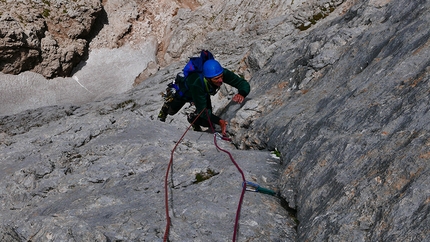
x=345 y=102
x=354 y=137
x=96 y=172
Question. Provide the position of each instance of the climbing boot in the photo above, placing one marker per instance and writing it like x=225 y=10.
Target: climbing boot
x=162 y=117
x=191 y=117
x=196 y=127
x=163 y=114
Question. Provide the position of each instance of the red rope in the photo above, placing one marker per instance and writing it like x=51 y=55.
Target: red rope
x=239 y=207
x=166 y=192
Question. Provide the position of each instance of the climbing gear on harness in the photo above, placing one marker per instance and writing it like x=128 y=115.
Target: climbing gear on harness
x=172 y=90
x=212 y=68
x=253 y=187
x=176 y=88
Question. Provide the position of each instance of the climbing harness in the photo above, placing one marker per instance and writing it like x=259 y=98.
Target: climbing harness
x=246 y=185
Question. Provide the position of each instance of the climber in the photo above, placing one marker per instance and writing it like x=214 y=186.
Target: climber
x=197 y=89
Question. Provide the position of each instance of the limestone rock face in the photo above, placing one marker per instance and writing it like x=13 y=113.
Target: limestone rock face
x=53 y=37
x=340 y=89
x=242 y=34
x=96 y=172
x=347 y=106
x=48 y=37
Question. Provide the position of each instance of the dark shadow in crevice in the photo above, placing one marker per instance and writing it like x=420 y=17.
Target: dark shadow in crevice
x=291 y=211
x=99 y=23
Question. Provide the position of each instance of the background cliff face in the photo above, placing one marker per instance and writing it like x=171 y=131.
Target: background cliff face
x=49 y=37
x=340 y=88
x=97 y=49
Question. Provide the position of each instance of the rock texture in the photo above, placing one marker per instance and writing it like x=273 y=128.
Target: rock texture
x=348 y=107
x=157 y=33
x=53 y=37
x=49 y=37
x=105 y=73
x=96 y=173
x=339 y=88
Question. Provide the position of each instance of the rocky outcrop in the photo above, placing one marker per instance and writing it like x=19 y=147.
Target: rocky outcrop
x=132 y=40
x=347 y=107
x=53 y=37
x=342 y=94
x=47 y=37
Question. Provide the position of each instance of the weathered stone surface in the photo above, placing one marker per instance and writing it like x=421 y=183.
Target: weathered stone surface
x=345 y=101
x=173 y=30
x=347 y=106
x=51 y=37
x=105 y=73
x=96 y=173
x=47 y=37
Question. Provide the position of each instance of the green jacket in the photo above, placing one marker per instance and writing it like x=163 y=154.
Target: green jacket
x=200 y=91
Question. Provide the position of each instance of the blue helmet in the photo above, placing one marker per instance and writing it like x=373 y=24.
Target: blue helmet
x=212 y=68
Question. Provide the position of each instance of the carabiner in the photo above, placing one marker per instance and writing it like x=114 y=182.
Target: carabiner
x=221 y=137
x=253 y=187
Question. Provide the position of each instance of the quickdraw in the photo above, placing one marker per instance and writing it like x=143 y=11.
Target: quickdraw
x=253 y=187
x=246 y=186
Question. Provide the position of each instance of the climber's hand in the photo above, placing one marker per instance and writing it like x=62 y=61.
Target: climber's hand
x=238 y=98
x=223 y=125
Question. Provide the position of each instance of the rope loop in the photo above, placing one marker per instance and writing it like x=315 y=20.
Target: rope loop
x=166 y=192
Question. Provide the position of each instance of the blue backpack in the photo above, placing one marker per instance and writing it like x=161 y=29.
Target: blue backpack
x=194 y=65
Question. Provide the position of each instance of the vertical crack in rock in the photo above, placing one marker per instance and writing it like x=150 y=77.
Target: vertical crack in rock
x=291 y=211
